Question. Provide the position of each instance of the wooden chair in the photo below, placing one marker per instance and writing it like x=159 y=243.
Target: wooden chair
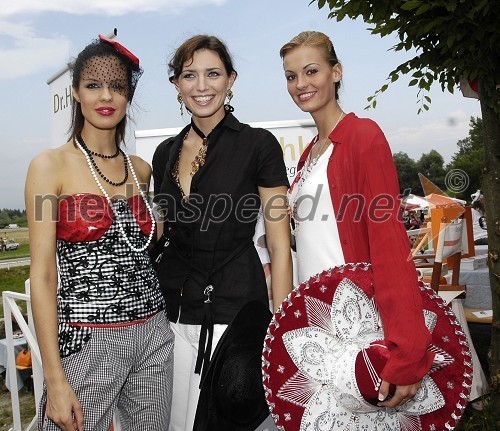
x=448 y=247
x=478 y=315
x=447 y=244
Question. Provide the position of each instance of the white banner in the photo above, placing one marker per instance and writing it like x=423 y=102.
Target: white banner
x=60 y=102
x=293 y=136
x=60 y=107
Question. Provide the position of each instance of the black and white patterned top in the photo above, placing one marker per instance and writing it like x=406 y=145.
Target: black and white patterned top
x=103 y=281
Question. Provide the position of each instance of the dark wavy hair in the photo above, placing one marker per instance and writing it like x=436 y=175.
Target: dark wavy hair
x=186 y=51
x=99 y=48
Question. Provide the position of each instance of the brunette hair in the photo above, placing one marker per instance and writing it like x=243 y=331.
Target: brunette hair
x=186 y=51
x=99 y=48
x=314 y=39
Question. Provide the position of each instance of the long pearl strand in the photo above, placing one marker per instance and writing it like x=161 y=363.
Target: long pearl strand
x=117 y=216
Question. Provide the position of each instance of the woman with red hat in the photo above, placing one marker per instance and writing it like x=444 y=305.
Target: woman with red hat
x=99 y=314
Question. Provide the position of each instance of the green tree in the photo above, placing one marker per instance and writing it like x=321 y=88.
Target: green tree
x=4 y=217
x=470 y=158
x=8 y=216
x=407 y=173
x=431 y=165
x=453 y=39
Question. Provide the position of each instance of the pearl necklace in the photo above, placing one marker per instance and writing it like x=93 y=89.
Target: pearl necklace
x=117 y=216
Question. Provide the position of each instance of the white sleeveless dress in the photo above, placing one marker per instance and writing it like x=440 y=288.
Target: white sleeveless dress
x=316 y=232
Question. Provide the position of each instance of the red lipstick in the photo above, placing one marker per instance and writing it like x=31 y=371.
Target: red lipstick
x=106 y=110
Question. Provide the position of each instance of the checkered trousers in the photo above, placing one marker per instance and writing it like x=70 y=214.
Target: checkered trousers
x=128 y=368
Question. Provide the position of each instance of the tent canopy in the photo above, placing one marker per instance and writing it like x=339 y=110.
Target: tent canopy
x=433 y=200
x=414 y=202
x=442 y=201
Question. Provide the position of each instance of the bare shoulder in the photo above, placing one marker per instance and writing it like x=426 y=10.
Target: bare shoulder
x=47 y=161
x=48 y=167
x=142 y=168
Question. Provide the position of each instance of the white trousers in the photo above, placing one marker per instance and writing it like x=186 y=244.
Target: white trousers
x=186 y=383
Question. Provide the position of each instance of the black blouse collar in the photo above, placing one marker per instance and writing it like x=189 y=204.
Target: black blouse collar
x=229 y=120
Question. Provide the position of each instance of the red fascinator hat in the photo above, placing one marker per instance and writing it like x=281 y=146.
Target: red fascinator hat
x=324 y=351
x=121 y=49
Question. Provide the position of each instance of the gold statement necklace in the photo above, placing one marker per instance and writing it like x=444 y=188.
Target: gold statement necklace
x=198 y=161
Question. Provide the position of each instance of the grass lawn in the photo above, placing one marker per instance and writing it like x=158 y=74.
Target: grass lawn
x=20 y=236
x=13 y=280
x=26 y=407
x=473 y=420
x=22 y=251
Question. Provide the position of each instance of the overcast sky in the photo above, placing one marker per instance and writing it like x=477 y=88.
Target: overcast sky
x=37 y=38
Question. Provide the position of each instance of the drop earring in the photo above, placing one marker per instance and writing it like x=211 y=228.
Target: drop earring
x=229 y=96
x=179 y=99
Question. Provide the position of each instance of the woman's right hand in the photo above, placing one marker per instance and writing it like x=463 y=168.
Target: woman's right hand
x=63 y=408
x=400 y=397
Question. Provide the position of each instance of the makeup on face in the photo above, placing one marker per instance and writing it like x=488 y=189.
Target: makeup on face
x=310 y=78
x=106 y=71
x=203 y=83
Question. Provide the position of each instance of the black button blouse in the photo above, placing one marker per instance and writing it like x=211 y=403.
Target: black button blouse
x=217 y=221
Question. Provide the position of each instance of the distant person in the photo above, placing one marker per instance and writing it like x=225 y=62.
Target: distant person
x=210 y=180
x=5 y=240
x=105 y=342
x=414 y=222
x=479 y=221
x=348 y=168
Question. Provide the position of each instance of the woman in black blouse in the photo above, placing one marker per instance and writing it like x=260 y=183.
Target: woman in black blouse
x=210 y=182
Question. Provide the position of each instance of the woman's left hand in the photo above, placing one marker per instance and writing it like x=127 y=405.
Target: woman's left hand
x=400 y=397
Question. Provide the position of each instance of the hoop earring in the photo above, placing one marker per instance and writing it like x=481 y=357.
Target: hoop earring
x=229 y=96
x=179 y=99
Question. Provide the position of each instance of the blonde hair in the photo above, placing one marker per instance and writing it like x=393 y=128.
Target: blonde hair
x=314 y=39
